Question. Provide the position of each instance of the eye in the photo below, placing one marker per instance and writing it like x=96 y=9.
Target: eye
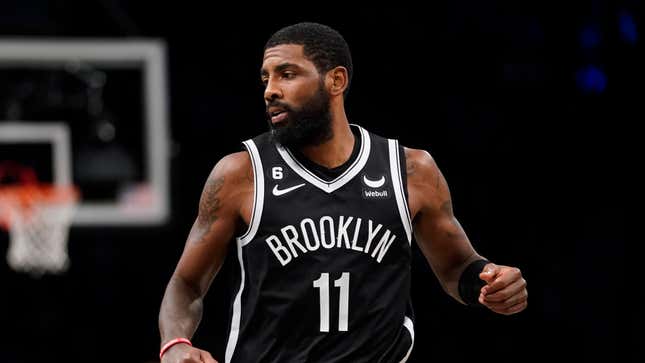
x=288 y=75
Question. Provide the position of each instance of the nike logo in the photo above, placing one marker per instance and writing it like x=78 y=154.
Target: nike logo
x=374 y=183
x=278 y=192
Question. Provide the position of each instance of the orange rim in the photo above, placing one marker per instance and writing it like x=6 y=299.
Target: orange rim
x=23 y=197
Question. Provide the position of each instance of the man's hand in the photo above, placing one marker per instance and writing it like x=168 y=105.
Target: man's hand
x=183 y=353
x=505 y=289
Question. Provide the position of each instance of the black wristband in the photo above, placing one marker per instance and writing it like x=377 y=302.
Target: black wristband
x=470 y=284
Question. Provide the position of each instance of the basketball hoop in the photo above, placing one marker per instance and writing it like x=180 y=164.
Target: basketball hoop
x=37 y=217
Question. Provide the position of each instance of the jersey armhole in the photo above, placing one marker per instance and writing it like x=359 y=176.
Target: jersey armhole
x=409 y=325
x=258 y=193
x=399 y=187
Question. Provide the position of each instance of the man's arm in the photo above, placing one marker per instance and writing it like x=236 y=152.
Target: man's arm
x=445 y=244
x=223 y=209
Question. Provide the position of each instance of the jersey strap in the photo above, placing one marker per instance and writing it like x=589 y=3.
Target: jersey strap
x=258 y=192
x=407 y=323
x=399 y=191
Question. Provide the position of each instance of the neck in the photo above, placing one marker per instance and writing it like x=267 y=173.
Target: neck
x=337 y=150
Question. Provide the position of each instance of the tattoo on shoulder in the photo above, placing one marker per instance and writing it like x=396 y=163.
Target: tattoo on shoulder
x=210 y=201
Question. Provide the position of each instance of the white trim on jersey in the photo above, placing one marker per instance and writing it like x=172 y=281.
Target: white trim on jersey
x=258 y=195
x=408 y=324
x=256 y=214
x=399 y=188
x=237 y=309
x=343 y=179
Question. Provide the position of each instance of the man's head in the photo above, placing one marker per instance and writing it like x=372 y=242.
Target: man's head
x=306 y=67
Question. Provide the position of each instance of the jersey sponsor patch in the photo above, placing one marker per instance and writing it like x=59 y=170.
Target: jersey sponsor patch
x=376 y=188
x=375 y=194
x=374 y=183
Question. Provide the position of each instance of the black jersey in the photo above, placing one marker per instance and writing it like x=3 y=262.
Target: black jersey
x=324 y=267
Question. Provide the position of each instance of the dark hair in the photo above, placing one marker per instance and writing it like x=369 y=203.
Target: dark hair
x=322 y=45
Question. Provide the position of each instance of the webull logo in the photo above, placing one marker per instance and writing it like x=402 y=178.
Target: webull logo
x=375 y=194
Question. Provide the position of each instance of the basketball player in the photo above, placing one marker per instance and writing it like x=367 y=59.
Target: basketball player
x=320 y=215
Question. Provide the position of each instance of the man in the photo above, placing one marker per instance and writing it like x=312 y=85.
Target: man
x=324 y=214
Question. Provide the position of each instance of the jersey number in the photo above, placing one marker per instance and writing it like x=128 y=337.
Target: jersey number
x=343 y=309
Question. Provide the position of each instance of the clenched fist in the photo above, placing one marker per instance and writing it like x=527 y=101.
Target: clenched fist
x=505 y=289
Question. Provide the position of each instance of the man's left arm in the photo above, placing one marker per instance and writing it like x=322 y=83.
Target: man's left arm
x=447 y=249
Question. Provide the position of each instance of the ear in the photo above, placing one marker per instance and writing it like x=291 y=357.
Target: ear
x=336 y=80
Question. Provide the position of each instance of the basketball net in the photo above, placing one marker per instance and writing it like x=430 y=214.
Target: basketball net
x=37 y=217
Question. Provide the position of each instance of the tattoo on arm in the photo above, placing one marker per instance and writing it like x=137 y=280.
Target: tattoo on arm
x=210 y=202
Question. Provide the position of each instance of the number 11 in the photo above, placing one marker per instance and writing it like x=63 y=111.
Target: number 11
x=343 y=309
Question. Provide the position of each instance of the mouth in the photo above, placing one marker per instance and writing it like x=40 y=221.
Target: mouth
x=278 y=116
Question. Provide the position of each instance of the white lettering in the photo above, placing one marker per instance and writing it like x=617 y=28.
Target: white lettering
x=314 y=233
x=331 y=235
x=292 y=243
x=292 y=240
x=371 y=233
x=277 y=247
x=357 y=229
x=383 y=246
x=342 y=231
x=375 y=193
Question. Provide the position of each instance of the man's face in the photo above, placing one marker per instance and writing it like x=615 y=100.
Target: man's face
x=296 y=100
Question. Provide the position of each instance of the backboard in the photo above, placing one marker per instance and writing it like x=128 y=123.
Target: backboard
x=93 y=113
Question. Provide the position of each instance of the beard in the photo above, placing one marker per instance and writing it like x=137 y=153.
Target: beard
x=308 y=125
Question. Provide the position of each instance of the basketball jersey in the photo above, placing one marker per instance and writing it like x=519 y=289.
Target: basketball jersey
x=324 y=267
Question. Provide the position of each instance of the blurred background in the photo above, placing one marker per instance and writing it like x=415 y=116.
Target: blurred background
x=529 y=108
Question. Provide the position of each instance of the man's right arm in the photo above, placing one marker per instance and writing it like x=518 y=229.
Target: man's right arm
x=224 y=207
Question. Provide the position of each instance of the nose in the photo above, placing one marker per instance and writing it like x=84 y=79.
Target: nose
x=272 y=91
